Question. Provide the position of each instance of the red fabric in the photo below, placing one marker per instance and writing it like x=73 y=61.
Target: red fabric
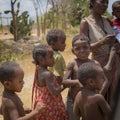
x=116 y=22
x=55 y=108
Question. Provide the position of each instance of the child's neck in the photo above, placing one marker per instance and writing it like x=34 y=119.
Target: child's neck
x=89 y=88
x=42 y=67
x=83 y=61
x=9 y=90
x=55 y=49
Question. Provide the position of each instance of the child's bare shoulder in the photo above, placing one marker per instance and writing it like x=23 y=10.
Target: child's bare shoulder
x=8 y=103
x=71 y=63
x=96 y=62
x=99 y=98
x=47 y=73
x=79 y=95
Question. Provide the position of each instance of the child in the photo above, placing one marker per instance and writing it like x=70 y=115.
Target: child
x=11 y=76
x=88 y=104
x=116 y=21
x=81 y=49
x=56 y=39
x=116 y=13
x=46 y=87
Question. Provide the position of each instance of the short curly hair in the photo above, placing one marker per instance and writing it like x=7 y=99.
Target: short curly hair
x=115 y=5
x=7 y=71
x=54 y=34
x=81 y=37
x=86 y=71
x=40 y=50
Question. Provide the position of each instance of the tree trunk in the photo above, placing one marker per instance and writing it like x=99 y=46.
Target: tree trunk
x=14 y=21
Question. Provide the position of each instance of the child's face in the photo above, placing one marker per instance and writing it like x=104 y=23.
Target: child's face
x=17 y=83
x=60 y=44
x=81 y=49
x=116 y=12
x=99 y=79
x=49 y=59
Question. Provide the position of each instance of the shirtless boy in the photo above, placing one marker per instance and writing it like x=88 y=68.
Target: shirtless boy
x=89 y=104
x=81 y=49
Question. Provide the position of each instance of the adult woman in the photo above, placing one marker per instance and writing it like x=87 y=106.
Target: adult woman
x=100 y=33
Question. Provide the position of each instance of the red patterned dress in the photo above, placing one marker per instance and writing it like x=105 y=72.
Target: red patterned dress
x=55 y=108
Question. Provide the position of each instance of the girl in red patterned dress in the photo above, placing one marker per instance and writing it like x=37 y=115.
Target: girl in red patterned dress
x=45 y=88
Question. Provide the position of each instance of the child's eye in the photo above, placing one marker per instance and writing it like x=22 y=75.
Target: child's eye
x=20 y=81
x=85 y=47
x=77 y=49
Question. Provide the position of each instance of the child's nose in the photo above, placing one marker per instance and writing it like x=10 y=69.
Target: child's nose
x=23 y=82
x=81 y=50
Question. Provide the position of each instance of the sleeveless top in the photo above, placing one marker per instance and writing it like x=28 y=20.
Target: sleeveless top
x=96 y=33
x=55 y=108
x=16 y=100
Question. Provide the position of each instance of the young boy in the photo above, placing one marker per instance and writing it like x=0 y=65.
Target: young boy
x=81 y=49
x=116 y=13
x=89 y=104
x=11 y=76
x=116 y=20
x=56 y=39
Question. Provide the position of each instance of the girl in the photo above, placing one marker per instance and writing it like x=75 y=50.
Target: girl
x=46 y=88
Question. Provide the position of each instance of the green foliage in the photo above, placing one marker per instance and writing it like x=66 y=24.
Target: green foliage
x=23 y=23
x=6 y=53
x=7 y=11
x=79 y=9
x=108 y=15
x=18 y=5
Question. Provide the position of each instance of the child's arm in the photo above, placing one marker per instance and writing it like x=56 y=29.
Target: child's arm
x=76 y=109
x=40 y=107
x=1 y=110
x=104 y=106
x=27 y=110
x=68 y=74
x=13 y=112
x=105 y=86
x=50 y=83
x=111 y=59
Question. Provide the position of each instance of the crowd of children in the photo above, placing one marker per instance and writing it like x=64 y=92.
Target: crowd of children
x=91 y=82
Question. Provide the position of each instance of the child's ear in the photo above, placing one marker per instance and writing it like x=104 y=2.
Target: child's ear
x=6 y=84
x=91 y=82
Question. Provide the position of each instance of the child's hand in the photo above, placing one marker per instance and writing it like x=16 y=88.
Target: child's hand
x=79 y=84
x=40 y=107
x=27 y=110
